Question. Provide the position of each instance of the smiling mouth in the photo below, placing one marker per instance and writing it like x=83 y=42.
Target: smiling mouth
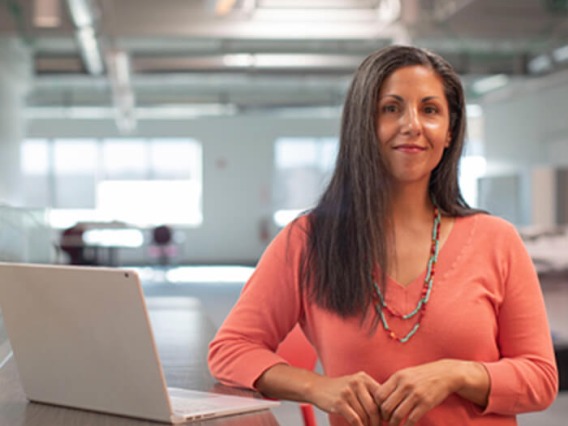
x=410 y=148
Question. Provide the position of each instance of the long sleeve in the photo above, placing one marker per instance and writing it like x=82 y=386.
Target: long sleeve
x=526 y=377
x=268 y=308
x=486 y=306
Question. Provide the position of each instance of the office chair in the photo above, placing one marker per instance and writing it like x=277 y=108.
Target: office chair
x=162 y=244
x=298 y=351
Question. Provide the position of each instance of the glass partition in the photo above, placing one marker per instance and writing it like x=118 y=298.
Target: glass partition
x=25 y=236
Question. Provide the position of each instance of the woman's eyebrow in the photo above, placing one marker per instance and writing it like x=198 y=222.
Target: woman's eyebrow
x=430 y=98
x=397 y=97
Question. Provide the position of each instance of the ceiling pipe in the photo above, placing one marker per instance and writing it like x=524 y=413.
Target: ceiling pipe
x=85 y=17
x=119 y=73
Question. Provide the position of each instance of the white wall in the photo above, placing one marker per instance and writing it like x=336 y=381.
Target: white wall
x=526 y=127
x=237 y=175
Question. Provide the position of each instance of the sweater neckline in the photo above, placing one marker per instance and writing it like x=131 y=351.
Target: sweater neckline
x=457 y=240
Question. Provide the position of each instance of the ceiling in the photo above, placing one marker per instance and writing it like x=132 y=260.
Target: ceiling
x=236 y=56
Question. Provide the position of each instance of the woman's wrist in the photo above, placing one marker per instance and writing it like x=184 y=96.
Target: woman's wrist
x=473 y=382
x=283 y=381
x=311 y=385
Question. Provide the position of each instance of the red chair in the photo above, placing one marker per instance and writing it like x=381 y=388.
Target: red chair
x=298 y=351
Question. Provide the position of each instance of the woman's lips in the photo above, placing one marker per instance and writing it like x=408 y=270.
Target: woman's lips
x=410 y=149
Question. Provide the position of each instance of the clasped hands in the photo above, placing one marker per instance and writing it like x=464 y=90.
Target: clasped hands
x=400 y=401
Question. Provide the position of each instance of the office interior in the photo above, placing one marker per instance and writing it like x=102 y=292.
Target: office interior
x=177 y=138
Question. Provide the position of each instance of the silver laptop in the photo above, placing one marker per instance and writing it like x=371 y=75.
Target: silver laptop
x=82 y=338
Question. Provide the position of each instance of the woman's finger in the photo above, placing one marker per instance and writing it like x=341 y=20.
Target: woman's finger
x=367 y=401
x=401 y=411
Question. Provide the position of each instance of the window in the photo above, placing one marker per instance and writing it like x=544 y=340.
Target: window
x=150 y=202
x=125 y=159
x=472 y=164
x=36 y=170
x=303 y=167
x=138 y=181
x=74 y=173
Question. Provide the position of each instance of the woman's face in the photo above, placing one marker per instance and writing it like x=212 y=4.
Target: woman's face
x=413 y=123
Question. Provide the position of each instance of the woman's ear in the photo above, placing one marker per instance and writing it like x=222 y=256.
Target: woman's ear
x=448 y=140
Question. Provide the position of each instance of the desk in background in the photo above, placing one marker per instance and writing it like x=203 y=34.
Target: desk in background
x=97 y=244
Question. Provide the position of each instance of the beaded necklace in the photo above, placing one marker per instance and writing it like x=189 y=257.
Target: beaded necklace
x=381 y=304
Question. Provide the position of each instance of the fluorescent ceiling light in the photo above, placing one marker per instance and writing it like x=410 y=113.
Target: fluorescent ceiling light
x=540 y=64
x=244 y=60
x=388 y=11
x=315 y=15
x=311 y=4
x=90 y=50
x=118 y=64
x=84 y=16
x=560 y=54
x=77 y=113
x=164 y=112
x=173 y=112
x=489 y=84
x=292 y=60
x=82 y=12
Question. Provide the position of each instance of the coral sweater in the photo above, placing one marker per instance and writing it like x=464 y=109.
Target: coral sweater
x=486 y=305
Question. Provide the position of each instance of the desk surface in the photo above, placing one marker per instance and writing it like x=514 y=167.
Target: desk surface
x=182 y=333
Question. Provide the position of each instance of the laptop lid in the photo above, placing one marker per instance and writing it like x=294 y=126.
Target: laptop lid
x=82 y=338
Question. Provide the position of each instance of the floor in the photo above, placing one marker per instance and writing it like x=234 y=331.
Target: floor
x=218 y=288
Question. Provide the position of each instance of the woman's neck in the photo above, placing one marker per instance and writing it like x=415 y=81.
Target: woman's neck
x=411 y=205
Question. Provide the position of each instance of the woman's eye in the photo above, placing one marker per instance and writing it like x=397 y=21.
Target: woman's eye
x=430 y=110
x=390 y=108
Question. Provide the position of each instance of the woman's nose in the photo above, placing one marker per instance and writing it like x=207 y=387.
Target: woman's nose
x=410 y=121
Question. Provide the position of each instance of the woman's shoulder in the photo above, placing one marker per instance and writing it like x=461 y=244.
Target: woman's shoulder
x=295 y=232
x=488 y=226
x=491 y=221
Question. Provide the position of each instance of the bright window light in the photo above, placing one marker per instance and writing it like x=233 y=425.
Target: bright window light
x=472 y=167
x=125 y=158
x=75 y=156
x=114 y=237
x=163 y=178
x=284 y=217
x=151 y=202
x=35 y=157
x=303 y=168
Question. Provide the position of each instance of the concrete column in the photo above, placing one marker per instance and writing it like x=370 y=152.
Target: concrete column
x=15 y=79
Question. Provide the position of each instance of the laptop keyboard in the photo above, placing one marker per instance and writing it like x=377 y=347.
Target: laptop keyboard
x=187 y=402
x=189 y=406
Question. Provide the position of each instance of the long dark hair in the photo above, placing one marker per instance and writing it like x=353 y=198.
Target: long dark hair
x=348 y=228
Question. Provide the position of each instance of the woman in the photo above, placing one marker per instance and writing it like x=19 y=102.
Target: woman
x=422 y=310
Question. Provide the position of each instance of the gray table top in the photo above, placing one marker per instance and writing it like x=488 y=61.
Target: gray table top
x=182 y=332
